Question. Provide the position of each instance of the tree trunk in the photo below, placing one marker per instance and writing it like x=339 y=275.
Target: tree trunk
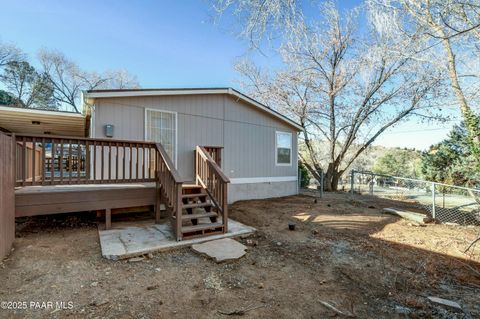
x=331 y=179
x=471 y=120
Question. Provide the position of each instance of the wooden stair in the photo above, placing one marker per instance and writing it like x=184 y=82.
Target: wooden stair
x=199 y=216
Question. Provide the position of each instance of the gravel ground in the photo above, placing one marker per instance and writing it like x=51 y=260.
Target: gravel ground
x=345 y=259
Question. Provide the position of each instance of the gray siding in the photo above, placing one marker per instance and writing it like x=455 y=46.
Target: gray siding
x=246 y=133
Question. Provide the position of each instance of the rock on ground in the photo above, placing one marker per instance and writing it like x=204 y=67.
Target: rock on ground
x=221 y=249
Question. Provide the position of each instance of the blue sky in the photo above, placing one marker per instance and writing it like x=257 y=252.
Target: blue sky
x=165 y=43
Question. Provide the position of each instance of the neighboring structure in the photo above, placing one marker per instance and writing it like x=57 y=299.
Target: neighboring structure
x=43 y=122
x=259 y=152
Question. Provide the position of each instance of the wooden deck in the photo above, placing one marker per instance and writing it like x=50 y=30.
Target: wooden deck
x=42 y=200
x=62 y=174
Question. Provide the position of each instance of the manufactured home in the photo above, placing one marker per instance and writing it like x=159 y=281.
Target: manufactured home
x=258 y=145
x=190 y=151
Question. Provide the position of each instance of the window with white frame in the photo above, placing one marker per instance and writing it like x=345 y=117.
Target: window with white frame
x=283 y=148
x=161 y=126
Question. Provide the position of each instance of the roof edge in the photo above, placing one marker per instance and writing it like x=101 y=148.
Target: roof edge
x=94 y=94
x=40 y=111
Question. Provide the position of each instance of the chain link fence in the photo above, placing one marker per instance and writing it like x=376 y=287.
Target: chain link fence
x=442 y=202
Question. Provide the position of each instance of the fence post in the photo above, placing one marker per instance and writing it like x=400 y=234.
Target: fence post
x=433 y=200
x=299 y=180
x=321 y=184
x=370 y=185
x=352 y=173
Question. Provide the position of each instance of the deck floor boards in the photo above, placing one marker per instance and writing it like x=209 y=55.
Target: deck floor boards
x=80 y=188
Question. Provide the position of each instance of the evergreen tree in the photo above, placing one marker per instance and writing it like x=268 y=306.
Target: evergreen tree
x=451 y=161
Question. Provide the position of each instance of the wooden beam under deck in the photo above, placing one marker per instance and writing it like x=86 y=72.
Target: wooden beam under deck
x=44 y=200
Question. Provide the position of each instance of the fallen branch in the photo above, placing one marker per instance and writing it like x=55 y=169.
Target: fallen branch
x=239 y=312
x=473 y=243
x=331 y=307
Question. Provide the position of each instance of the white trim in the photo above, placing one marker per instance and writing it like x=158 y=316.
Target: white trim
x=92 y=122
x=176 y=129
x=276 y=149
x=40 y=112
x=153 y=92
x=131 y=93
x=254 y=180
x=264 y=108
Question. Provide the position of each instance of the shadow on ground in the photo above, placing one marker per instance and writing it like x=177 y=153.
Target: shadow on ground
x=343 y=253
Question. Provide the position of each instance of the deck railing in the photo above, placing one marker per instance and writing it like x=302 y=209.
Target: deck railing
x=215 y=182
x=59 y=160
x=169 y=185
x=216 y=153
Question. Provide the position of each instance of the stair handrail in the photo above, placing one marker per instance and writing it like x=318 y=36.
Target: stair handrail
x=211 y=177
x=170 y=183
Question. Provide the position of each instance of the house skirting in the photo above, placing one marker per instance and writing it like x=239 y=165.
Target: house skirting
x=261 y=187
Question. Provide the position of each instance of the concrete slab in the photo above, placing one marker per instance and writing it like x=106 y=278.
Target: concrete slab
x=221 y=249
x=130 y=239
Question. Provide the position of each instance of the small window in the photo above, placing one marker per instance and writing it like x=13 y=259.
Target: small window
x=283 y=148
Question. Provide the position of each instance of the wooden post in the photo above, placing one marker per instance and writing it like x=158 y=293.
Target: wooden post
x=52 y=163
x=8 y=148
x=24 y=161
x=195 y=154
x=108 y=218
x=158 y=195
x=178 y=208
x=70 y=163
x=87 y=162
x=79 y=154
x=225 y=208
x=61 y=161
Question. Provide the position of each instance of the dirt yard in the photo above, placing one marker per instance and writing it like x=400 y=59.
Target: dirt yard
x=344 y=254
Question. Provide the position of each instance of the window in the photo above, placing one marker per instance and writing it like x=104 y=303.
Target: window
x=283 y=148
x=161 y=126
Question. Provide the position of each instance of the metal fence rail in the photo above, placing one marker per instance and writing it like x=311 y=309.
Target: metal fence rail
x=442 y=202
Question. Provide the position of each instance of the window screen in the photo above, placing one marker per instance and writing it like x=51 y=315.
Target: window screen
x=161 y=127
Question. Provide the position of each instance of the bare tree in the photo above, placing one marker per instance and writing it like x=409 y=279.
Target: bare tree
x=69 y=80
x=9 y=53
x=343 y=90
x=448 y=30
x=260 y=17
x=119 y=79
x=65 y=76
